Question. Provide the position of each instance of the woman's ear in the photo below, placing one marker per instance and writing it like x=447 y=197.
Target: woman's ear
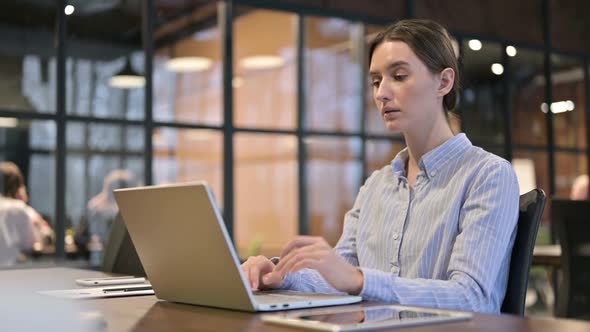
x=447 y=80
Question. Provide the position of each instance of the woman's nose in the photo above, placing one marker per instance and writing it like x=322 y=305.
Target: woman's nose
x=383 y=94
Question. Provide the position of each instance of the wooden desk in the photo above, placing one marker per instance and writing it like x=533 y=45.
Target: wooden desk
x=146 y=313
x=548 y=255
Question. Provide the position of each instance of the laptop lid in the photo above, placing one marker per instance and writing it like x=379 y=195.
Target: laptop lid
x=184 y=246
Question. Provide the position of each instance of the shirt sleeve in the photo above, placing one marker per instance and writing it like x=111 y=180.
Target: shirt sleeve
x=480 y=256
x=308 y=280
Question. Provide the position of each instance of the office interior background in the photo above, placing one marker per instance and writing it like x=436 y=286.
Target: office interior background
x=270 y=102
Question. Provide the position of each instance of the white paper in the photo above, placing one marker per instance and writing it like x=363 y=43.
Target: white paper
x=101 y=292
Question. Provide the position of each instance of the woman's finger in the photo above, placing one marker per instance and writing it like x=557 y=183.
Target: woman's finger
x=254 y=276
x=314 y=251
x=298 y=242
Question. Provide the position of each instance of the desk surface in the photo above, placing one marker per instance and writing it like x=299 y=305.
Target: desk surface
x=146 y=313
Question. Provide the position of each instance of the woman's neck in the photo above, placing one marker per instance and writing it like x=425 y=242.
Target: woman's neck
x=421 y=141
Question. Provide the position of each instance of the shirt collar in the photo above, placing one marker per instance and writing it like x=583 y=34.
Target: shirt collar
x=435 y=159
x=399 y=163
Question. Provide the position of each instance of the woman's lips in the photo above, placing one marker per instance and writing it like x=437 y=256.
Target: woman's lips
x=387 y=112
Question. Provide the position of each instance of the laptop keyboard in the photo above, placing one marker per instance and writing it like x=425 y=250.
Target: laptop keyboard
x=265 y=297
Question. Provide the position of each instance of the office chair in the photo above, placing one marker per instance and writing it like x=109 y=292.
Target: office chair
x=531 y=209
x=572 y=222
x=120 y=255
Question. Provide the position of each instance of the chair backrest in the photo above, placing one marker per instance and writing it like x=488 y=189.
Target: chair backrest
x=572 y=222
x=120 y=255
x=531 y=209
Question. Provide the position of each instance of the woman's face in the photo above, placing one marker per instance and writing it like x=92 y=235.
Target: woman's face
x=407 y=94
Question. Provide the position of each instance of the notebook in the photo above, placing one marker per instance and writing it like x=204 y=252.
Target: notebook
x=188 y=256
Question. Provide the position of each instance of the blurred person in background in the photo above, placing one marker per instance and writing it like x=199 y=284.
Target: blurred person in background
x=22 y=229
x=102 y=210
x=580 y=188
x=45 y=231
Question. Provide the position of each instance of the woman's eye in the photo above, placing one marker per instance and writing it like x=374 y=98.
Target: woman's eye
x=376 y=83
x=399 y=77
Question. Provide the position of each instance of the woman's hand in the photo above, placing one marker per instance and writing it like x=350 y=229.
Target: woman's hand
x=315 y=253
x=255 y=268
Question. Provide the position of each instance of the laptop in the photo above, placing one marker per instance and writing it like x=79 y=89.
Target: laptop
x=188 y=256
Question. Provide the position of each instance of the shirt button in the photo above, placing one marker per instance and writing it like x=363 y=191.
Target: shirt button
x=395 y=236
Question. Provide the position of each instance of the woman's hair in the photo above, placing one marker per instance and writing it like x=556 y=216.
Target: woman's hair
x=12 y=179
x=432 y=44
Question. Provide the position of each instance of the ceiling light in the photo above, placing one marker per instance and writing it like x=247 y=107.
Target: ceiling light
x=511 y=50
x=475 y=44
x=69 y=10
x=188 y=64
x=569 y=105
x=559 y=107
x=497 y=68
x=127 y=81
x=261 y=62
x=8 y=122
x=127 y=78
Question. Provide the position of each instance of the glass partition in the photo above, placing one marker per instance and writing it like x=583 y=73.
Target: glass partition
x=333 y=179
x=266 y=193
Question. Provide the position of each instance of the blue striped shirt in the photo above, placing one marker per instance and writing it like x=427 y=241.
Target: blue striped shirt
x=446 y=243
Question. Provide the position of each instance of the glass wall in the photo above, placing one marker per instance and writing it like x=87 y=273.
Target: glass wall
x=27 y=132
x=482 y=105
x=90 y=90
x=266 y=193
x=569 y=121
x=184 y=155
x=100 y=158
x=27 y=59
x=29 y=147
x=187 y=99
x=28 y=80
x=187 y=75
x=527 y=95
x=104 y=88
x=332 y=75
x=264 y=69
x=334 y=170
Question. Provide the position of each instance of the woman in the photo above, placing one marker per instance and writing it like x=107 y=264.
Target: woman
x=436 y=227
